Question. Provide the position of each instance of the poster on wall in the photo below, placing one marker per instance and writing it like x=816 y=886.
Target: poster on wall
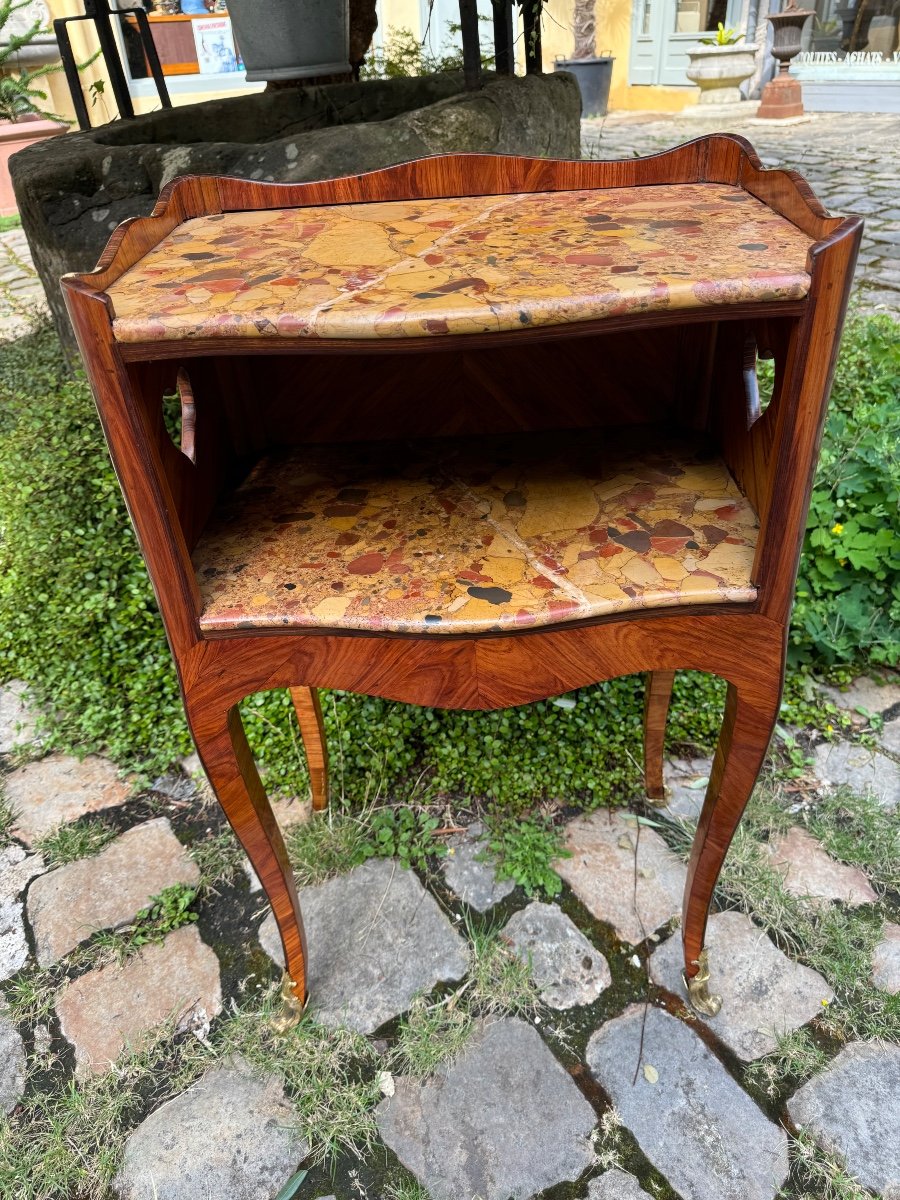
x=215 y=46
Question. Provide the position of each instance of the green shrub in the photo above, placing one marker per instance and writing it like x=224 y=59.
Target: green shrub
x=404 y=54
x=78 y=619
x=525 y=852
x=404 y=833
x=848 y=595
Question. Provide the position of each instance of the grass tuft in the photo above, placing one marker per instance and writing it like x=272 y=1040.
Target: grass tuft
x=431 y=1033
x=82 y=839
x=835 y=940
x=796 y=1058
x=328 y=844
x=69 y=1143
x=219 y=859
x=404 y=1187
x=330 y=1075
x=498 y=984
x=858 y=830
x=819 y=1175
x=7 y=820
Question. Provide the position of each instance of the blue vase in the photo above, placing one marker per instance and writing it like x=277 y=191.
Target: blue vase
x=194 y=8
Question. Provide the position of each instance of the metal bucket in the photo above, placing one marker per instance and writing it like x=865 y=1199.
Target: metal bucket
x=594 y=76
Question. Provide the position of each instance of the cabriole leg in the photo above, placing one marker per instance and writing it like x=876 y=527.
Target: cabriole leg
x=657 y=695
x=223 y=749
x=746 y=731
x=312 y=730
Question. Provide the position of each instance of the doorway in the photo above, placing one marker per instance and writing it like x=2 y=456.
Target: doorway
x=663 y=30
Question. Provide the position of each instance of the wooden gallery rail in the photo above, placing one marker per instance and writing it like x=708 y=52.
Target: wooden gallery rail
x=471 y=432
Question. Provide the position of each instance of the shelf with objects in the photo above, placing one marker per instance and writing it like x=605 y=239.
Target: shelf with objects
x=471 y=432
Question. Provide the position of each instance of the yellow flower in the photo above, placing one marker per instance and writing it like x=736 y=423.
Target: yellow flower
x=838 y=529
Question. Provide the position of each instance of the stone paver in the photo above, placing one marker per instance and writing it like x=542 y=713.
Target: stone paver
x=21 y=294
x=616 y=1185
x=106 y=891
x=12 y=1065
x=601 y=873
x=231 y=1135
x=693 y=1121
x=763 y=992
x=106 y=1010
x=503 y=1122
x=848 y=158
x=686 y=780
x=13 y=939
x=470 y=872
x=809 y=871
x=886 y=960
x=16 y=720
x=864 y=771
x=376 y=939
x=58 y=789
x=889 y=738
x=875 y=696
x=17 y=869
x=853 y=1108
x=567 y=969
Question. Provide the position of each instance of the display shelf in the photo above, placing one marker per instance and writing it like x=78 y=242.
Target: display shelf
x=463 y=536
x=461 y=265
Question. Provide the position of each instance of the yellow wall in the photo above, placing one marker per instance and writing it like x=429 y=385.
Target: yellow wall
x=613 y=37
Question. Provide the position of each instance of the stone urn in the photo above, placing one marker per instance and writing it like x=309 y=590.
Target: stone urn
x=720 y=70
x=292 y=39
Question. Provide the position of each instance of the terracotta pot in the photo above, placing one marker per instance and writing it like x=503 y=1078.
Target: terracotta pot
x=15 y=136
x=720 y=70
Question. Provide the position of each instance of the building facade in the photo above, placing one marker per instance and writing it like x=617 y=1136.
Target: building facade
x=648 y=39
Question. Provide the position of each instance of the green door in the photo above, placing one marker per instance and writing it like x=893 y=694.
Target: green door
x=663 y=30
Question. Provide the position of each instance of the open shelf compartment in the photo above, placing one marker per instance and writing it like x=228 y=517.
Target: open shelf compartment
x=476 y=535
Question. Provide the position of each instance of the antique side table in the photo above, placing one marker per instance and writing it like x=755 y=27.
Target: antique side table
x=471 y=432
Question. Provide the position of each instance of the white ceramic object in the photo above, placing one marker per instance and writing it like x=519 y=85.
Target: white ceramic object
x=720 y=70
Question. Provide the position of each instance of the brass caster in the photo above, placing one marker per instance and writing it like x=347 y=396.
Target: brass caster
x=698 y=988
x=659 y=801
x=291 y=1011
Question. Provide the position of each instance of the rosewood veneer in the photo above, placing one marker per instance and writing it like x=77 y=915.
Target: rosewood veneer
x=470 y=432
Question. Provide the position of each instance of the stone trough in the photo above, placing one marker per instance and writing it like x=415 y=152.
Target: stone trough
x=74 y=190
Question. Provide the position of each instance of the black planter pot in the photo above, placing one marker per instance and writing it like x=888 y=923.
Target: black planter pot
x=292 y=39
x=594 y=77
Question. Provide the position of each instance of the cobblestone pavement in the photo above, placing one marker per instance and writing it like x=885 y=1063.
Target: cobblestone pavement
x=21 y=292
x=592 y=1095
x=852 y=161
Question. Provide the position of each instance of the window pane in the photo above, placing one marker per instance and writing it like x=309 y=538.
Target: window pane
x=695 y=16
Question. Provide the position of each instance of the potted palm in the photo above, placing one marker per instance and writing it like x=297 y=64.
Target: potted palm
x=25 y=47
x=593 y=73
x=720 y=64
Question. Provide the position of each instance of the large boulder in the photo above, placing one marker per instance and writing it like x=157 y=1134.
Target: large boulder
x=74 y=190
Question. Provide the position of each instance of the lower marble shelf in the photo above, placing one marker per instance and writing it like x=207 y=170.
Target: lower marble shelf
x=478 y=535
